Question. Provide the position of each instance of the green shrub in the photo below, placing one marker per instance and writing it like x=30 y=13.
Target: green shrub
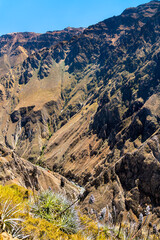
x=52 y=207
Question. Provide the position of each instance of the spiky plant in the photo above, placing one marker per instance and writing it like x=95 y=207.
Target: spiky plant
x=17 y=232
x=57 y=209
x=8 y=216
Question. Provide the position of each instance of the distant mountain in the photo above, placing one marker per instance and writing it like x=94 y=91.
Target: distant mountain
x=16 y=47
x=86 y=103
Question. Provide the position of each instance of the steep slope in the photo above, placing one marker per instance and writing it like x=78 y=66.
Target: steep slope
x=15 y=170
x=89 y=108
x=16 y=47
x=43 y=93
x=126 y=118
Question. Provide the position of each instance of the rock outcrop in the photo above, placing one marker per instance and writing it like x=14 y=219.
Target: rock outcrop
x=88 y=107
x=16 y=47
x=15 y=170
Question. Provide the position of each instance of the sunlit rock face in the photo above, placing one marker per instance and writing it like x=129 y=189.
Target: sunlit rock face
x=86 y=104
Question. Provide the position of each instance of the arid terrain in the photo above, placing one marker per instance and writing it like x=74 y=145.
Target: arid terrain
x=85 y=104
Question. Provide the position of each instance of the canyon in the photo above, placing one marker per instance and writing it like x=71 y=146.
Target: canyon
x=85 y=104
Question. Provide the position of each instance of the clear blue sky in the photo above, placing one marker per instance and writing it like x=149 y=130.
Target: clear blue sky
x=48 y=15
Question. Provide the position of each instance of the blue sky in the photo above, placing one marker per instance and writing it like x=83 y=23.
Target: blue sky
x=48 y=15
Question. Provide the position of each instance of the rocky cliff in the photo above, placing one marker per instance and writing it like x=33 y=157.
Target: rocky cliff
x=88 y=107
x=15 y=170
x=16 y=47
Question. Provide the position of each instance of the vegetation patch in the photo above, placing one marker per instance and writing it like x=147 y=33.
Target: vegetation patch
x=51 y=215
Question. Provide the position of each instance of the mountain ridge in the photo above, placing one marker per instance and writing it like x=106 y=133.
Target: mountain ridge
x=25 y=43
x=89 y=108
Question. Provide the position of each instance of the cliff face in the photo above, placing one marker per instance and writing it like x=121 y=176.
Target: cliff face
x=16 y=47
x=89 y=107
x=15 y=170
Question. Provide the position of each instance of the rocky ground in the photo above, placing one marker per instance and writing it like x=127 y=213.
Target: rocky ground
x=85 y=104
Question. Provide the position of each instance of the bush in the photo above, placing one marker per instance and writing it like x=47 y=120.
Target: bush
x=52 y=217
x=52 y=207
x=42 y=229
x=14 y=193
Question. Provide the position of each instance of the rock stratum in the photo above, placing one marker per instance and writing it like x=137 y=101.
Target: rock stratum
x=85 y=103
